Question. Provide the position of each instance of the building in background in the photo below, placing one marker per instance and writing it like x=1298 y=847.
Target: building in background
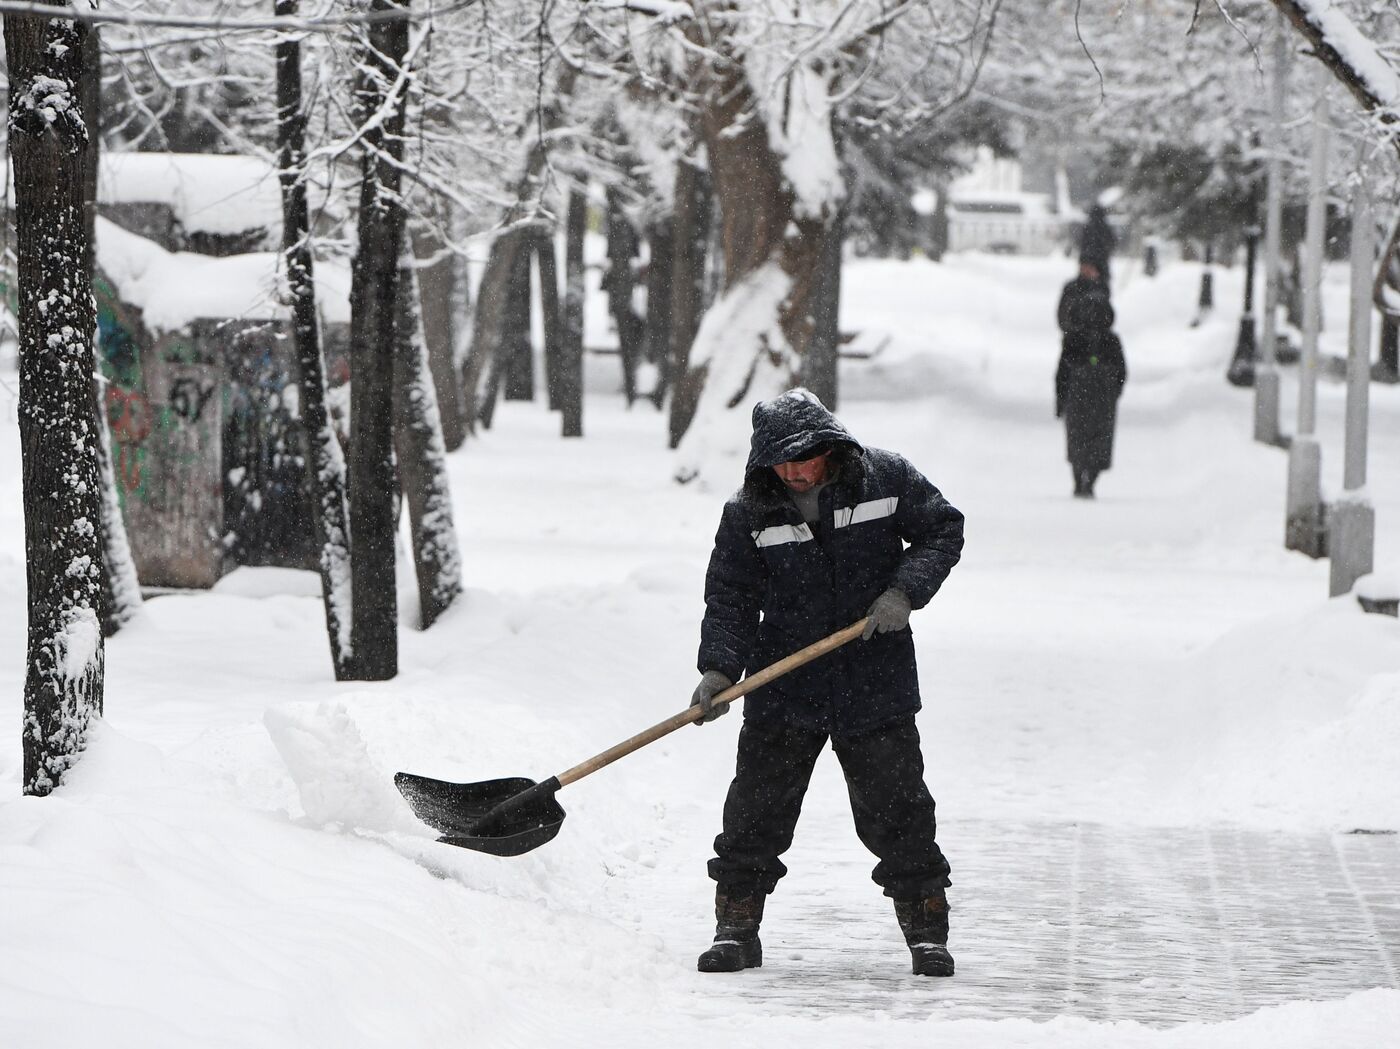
x=989 y=210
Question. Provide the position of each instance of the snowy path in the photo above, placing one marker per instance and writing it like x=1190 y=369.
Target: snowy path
x=1063 y=670
x=1158 y=926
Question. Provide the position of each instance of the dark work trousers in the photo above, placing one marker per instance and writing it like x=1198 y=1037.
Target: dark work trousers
x=893 y=810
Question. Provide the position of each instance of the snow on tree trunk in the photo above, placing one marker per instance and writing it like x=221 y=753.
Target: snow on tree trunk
x=121 y=587
x=571 y=339
x=746 y=315
x=121 y=590
x=373 y=298
x=58 y=436
x=766 y=120
x=326 y=461
x=436 y=276
x=422 y=458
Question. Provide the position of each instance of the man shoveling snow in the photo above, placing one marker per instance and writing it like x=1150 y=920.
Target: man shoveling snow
x=815 y=539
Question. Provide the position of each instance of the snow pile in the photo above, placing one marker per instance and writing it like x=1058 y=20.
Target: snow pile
x=716 y=445
x=336 y=779
x=1294 y=721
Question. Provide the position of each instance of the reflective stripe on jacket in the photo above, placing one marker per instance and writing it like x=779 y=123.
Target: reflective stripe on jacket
x=776 y=584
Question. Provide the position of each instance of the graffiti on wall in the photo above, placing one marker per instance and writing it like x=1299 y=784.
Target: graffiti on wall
x=164 y=418
x=129 y=415
x=207 y=445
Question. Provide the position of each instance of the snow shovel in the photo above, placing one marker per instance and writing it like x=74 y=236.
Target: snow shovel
x=508 y=817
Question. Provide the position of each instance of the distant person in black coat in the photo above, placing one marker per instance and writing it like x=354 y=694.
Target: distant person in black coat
x=1089 y=379
x=1096 y=242
x=825 y=531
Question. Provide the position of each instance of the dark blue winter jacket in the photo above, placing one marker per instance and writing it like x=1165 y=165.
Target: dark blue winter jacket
x=809 y=581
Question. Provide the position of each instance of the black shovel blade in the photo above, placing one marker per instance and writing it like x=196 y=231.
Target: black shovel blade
x=491 y=816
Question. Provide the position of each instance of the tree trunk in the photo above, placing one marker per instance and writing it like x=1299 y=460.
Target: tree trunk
x=121 y=586
x=772 y=262
x=571 y=338
x=437 y=283
x=481 y=373
x=1388 y=366
x=373 y=297
x=422 y=457
x=659 y=298
x=121 y=589
x=693 y=220
x=460 y=300
x=517 y=344
x=62 y=496
x=547 y=271
x=819 y=366
x=325 y=466
x=619 y=282
x=938 y=225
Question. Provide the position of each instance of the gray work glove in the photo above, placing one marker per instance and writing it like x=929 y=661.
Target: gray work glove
x=712 y=683
x=889 y=612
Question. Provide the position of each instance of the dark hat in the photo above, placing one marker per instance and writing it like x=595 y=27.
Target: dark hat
x=793 y=427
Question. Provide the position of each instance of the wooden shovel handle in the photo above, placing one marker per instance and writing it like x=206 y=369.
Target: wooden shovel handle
x=693 y=714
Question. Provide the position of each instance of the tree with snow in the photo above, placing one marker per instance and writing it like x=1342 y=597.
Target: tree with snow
x=422 y=460
x=325 y=459
x=765 y=81
x=58 y=429
x=379 y=102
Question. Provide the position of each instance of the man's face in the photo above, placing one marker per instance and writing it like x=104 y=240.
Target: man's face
x=1089 y=271
x=804 y=474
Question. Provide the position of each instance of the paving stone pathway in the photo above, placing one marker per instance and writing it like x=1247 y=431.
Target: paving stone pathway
x=1158 y=926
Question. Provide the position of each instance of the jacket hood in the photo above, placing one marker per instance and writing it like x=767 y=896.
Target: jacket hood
x=790 y=427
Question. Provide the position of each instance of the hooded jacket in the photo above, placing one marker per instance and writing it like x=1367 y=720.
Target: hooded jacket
x=776 y=584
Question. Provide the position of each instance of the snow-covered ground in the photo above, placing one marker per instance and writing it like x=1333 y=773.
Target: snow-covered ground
x=230 y=866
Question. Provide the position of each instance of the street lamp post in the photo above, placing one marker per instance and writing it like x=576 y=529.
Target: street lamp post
x=1352 y=518
x=1305 y=529
x=1241 y=370
x=1266 y=378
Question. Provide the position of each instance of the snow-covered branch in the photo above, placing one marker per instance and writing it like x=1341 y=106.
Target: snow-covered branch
x=225 y=23
x=1346 y=51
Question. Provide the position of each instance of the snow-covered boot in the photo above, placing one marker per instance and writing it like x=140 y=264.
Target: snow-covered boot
x=925 y=927
x=736 y=943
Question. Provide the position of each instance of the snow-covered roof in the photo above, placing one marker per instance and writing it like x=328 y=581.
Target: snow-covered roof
x=172 y=289
x=208 y=192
